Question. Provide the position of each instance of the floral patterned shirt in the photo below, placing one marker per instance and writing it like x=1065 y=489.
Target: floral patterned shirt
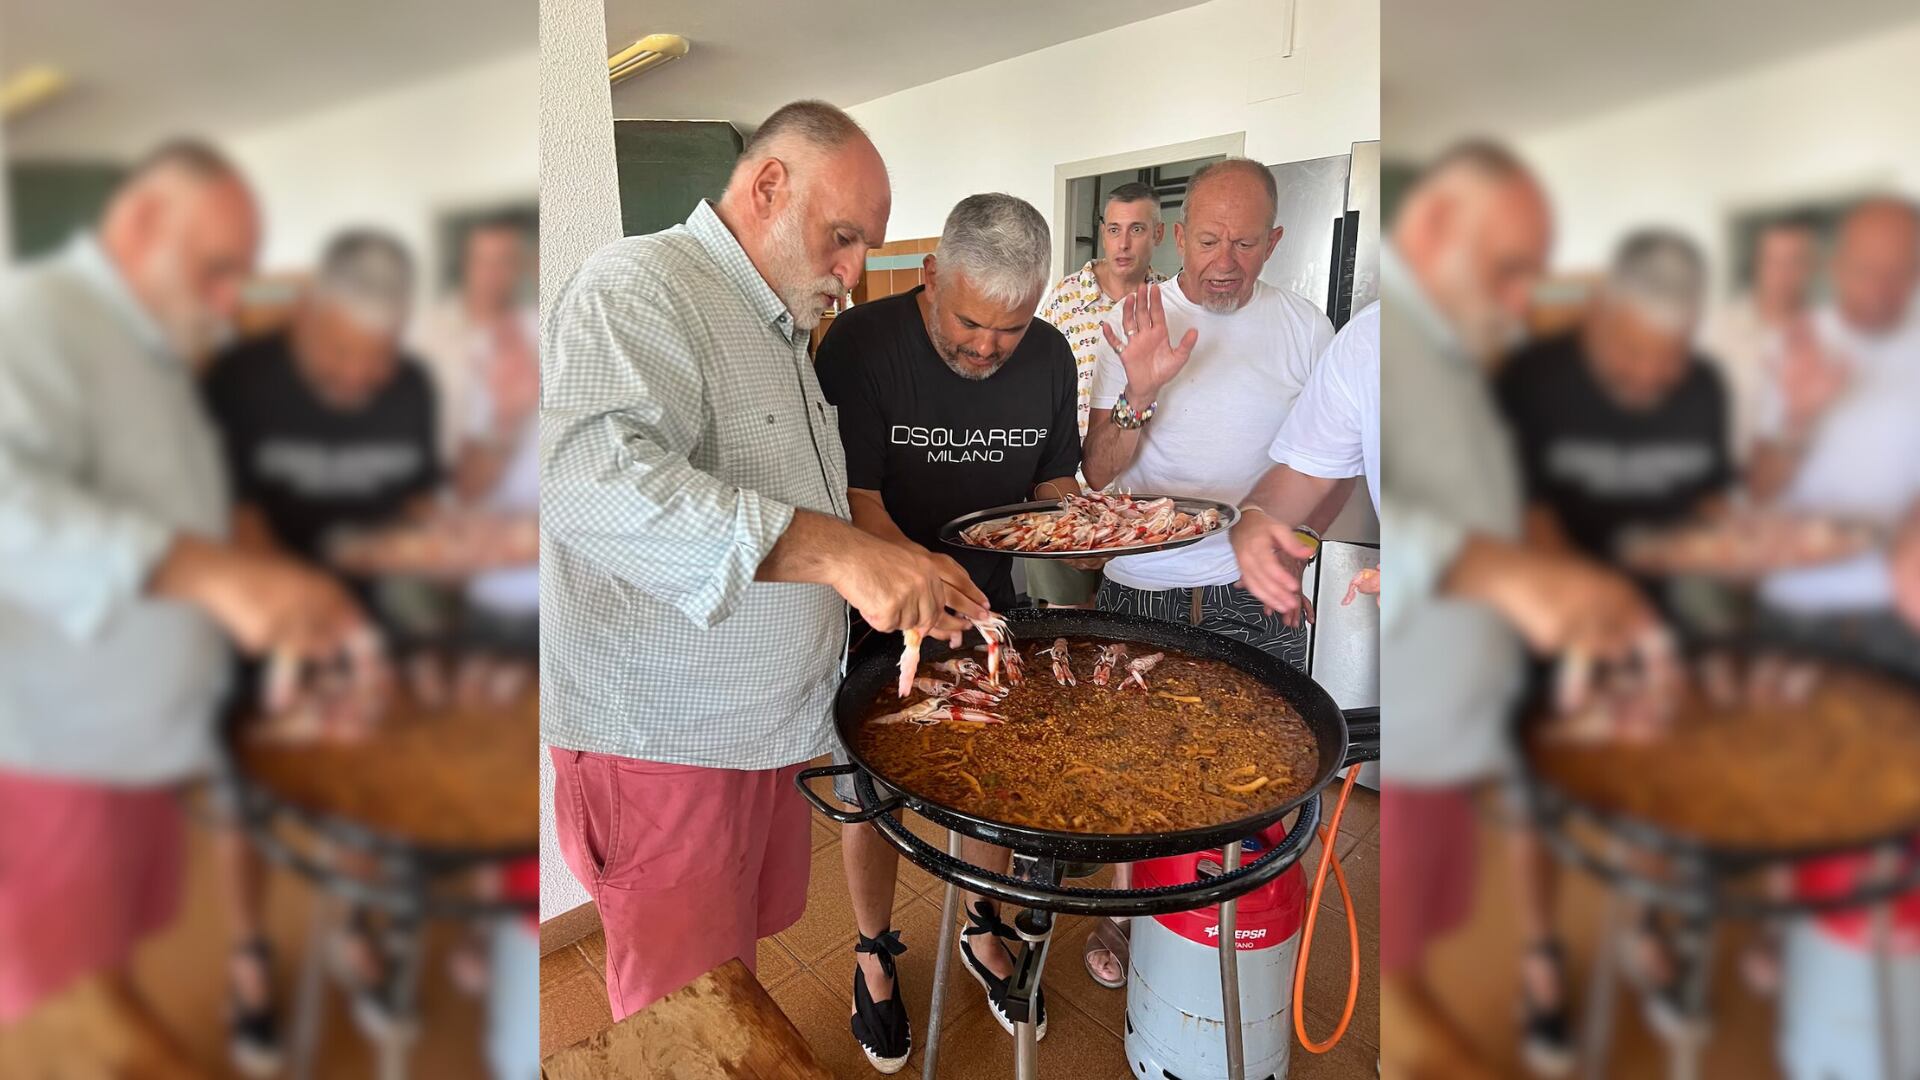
x=1076 y=307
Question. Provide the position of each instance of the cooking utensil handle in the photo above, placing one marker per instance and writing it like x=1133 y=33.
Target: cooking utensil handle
x=1363 y=735
x=844 y=817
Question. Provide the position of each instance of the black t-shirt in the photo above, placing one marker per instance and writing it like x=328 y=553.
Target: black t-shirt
x=936 y=445
x=1602 y=468
x=308 y=466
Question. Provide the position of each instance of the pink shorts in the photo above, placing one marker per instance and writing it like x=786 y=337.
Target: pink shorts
x=689 y=867
x=1428 y=839
x=86 y=872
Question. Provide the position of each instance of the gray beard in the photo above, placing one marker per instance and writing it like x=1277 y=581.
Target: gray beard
x=970 y=374
x=948 y=353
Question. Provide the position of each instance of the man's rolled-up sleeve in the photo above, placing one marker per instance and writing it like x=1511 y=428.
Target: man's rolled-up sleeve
x=1321 y=435
x=621 y=411
x=67 y=553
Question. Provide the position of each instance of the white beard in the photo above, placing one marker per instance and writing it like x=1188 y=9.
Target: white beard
x=793 y=280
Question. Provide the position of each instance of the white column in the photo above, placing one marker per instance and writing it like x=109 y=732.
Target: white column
x=579 y=185
x=579 y=213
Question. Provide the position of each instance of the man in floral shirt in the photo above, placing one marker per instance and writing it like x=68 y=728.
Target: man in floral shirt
x=1130 y=228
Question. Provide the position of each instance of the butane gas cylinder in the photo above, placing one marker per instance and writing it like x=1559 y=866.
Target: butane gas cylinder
x=1176 y=1027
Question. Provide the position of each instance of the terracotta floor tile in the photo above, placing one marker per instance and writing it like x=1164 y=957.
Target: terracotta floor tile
x=919 y=926
x=1076 y=1046
x=775 y=962
x=1361 y=864
x=1363 y=811
x=828 y=921
x=1327 y=976
x=1067 y=979
x=573 y=1000
x=1350 y=1060
x=820 y=1016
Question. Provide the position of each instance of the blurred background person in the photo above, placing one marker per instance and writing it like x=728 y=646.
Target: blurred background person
x=1618 y=425
x=429 y=141
x=486 y=325
x=1692 y=133
x=326 y=426
x=1470 y=592
x=1744 y=336
x=481 y=348
x=117 y=559
x=1840 y=436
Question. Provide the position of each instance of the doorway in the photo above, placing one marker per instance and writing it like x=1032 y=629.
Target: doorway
x=1081 y=189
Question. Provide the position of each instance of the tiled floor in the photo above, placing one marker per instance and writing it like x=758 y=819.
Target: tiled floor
x=808 y=971
x=1478 y=975
x=182 y=972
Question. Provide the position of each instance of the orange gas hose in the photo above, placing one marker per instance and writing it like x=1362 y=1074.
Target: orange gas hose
x=1329 y=833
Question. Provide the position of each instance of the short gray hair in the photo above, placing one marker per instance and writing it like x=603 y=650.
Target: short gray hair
x=1249 y=166
x=1000 y=243
x=368 y=274
x=1661 y=274
x=1132 y=193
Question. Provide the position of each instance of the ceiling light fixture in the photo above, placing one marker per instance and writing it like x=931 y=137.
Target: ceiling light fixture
x=649 y=52
x=30 y=89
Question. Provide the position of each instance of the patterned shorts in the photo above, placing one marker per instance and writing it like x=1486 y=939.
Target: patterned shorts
x=1227 y=610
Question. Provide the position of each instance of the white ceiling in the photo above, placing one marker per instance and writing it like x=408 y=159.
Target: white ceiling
x=143 y=71
x=749 y=57
x=1510 y=67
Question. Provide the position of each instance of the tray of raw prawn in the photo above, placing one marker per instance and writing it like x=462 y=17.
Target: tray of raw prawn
x=1093 y=525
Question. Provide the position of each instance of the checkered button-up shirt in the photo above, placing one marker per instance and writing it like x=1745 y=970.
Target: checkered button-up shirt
x=680 y=428
x=1076 y=307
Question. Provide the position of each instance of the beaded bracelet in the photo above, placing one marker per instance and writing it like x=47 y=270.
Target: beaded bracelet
x=1126 y=417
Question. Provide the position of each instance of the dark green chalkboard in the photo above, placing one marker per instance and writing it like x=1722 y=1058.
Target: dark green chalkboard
x=667 y=166
x=52 y=200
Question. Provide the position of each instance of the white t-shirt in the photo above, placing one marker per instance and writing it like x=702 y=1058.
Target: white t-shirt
x=1210 y=432
x=1333 y=430
x=1863 y=462
x=513 y=590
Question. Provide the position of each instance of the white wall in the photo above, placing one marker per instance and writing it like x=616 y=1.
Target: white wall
x=579 y=212
x=1004 y=127
x=1827 y=123
x=396 y=159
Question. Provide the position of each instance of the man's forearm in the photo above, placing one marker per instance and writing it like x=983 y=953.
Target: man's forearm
x=870 y=516
x=1108 y=448
x=1292 y=497
x=1771 y=469
x=1320 y=519
x=812 y=550
x=1057 y=488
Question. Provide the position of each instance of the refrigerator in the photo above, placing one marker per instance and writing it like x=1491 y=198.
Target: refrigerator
x=1330 y=250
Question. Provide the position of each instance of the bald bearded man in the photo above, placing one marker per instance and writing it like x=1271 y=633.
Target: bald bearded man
x=118 y=588
x=699 y=555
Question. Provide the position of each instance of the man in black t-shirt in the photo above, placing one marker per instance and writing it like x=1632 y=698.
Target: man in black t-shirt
x=325 y=425
x=328 y=424
x=952 y=398
x=1617 y=425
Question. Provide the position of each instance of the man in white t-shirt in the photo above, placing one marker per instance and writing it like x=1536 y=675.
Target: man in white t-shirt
x=1332 y=432
x=1195 y=380
x=1840 y=436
